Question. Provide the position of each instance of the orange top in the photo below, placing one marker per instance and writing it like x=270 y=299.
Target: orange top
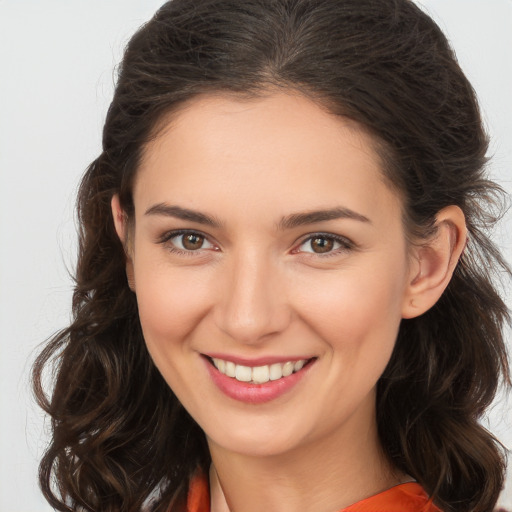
x=409 y=497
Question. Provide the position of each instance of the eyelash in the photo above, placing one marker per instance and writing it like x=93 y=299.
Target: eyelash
x=344 y=243
x=167 y=237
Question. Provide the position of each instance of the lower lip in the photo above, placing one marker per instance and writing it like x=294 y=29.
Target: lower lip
x=255 y=393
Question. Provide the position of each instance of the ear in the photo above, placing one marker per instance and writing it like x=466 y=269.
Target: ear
x=433 y=262
x=120 y=223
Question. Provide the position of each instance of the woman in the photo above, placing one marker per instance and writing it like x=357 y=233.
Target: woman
x=284 y=296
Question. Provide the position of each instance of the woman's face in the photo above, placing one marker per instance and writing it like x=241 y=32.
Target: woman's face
x=266 y=242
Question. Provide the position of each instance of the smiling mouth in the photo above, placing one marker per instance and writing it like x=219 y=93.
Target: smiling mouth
x=258 y=374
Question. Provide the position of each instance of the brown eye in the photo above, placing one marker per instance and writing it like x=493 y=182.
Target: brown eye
x=188 y=241
x=322 y=244
x=192 y=241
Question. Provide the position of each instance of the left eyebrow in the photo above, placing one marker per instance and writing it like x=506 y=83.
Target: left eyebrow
x=300 y=219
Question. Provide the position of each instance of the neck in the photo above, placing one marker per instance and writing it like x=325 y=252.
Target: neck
x=320 y=476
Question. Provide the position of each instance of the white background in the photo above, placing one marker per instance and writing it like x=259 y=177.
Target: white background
x=56 y=81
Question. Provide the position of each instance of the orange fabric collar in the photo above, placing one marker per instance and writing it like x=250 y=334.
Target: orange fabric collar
x=409 y=497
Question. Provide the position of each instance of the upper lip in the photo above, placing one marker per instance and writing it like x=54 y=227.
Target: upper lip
x=257 y=361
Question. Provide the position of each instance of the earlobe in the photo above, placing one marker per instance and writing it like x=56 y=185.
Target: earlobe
x=130 y=276
x=120 y=223
x=434 y=262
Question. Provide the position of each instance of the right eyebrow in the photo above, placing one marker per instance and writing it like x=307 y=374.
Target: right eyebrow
x=183 y=214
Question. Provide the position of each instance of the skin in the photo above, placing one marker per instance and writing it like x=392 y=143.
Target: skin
x=257 y=288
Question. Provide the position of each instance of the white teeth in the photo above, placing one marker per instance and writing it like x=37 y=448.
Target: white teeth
x=230 y=369
x=287 y=368
x=243 y=373
x=258 y=374
x=276 y=371
x=298 y=365
x=220 y=364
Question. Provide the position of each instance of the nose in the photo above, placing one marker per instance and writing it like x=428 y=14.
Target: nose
x=253 y=305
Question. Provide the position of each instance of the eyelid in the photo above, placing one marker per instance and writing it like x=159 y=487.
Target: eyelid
x=346 y=244
x=169 y=235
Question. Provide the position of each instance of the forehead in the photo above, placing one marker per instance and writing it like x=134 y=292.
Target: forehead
x=222 y=119
x=282 y=148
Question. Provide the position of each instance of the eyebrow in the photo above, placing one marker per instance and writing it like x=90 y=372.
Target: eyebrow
x=290 y=221
x=300 y=219
x=182 y=213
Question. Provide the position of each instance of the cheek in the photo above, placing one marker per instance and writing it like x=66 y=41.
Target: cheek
x=356 y=310
x=171 y=301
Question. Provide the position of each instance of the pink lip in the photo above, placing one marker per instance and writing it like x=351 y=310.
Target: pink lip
x=255 y=393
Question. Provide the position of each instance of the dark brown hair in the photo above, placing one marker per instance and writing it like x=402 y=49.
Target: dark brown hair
x=121 y=439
